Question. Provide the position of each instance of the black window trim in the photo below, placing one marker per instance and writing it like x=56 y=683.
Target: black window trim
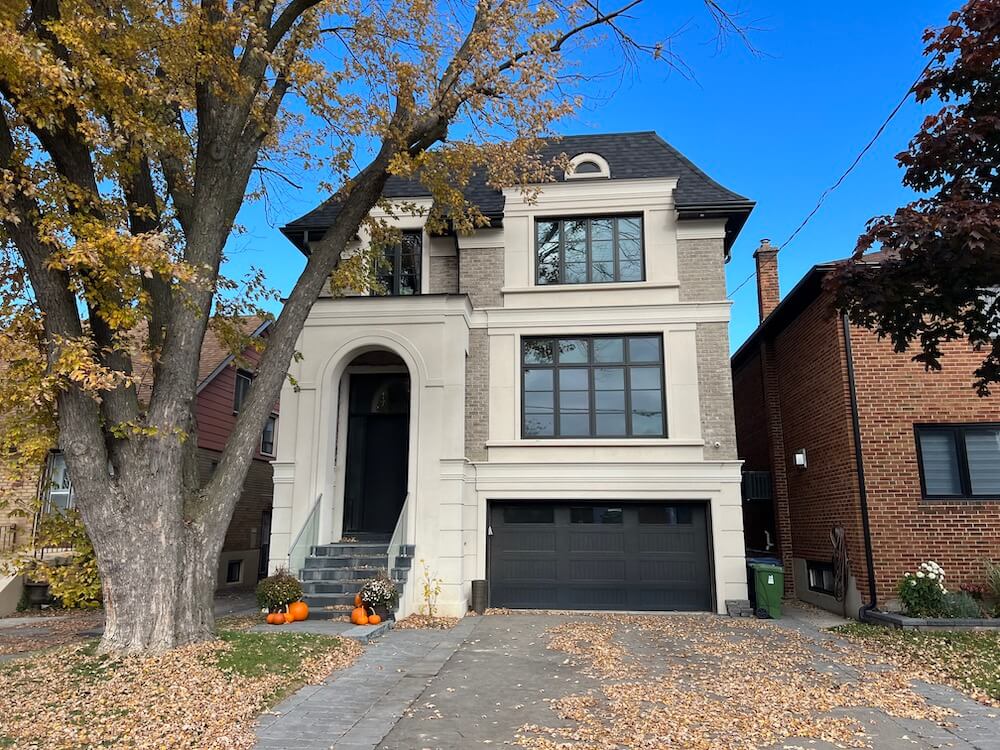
x=957 y=429
x=823 y=566
x=590 y=366
x=394 y=257
x=561 y=218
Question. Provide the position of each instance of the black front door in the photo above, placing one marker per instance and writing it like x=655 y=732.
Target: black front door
x=377 y=447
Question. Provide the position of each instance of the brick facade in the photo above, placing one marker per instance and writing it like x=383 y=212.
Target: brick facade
x=702 y=278
x=443 y=274
x=17 y=508
x=792 y=392
x=481 y=276
x=895 y=393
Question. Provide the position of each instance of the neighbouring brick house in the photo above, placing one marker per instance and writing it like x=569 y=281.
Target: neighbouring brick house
x=543 y=403
x=830 y=420
x=221 y=385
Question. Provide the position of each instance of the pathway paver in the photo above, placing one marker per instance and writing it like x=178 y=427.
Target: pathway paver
x=357 y=707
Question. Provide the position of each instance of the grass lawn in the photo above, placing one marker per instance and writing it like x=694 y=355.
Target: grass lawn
x=205 y=696
x=968 y=660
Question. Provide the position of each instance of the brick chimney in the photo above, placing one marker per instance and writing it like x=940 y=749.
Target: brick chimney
x=768 y=294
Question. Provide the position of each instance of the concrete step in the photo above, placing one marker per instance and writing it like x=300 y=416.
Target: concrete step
x=338 y=574
x=350 y=549
x=332 y=598
x=333 y=587
x=345 y=561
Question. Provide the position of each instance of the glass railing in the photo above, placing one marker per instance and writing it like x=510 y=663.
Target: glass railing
x=305 y=540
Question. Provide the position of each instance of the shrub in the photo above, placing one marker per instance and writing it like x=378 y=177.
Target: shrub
x=380 y=591
x=74 y=580
x=922 y=593
x=960 y=605
x=278 y=591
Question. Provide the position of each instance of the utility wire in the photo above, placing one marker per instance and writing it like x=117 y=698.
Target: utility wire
x=840 y=180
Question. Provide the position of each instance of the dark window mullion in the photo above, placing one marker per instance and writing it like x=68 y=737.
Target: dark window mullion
x=614 y=249
x=590 y=250
x=964 y=473
x=562 y=252
x=628 y=396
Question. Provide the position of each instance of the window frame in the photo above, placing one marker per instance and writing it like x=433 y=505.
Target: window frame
x=239 y=398
x=274 y=436
x=589 y=366
x=394 y=257
x=615 y=254
x=957 y=431
x=823 y=567
x=47 y=505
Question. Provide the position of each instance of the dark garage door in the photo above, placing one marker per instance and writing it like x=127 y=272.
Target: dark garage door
x=599 y=556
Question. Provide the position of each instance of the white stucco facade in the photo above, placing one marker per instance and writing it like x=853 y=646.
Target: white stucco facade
x=448 y=493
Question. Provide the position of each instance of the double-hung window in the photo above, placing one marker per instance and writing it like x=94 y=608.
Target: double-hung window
x=959 y=461
x=243 y=382
x=267 y=436
x=593 y=386
x=588 y=250
x=399 y=272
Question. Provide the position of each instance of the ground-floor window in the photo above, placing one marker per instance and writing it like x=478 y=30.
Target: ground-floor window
x=959 y=460
x=820 y=577
x=234 y=571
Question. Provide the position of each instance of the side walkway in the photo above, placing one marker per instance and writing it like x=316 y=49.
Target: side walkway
x=356 y=708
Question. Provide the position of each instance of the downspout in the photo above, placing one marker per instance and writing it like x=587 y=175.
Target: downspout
x=859 y=463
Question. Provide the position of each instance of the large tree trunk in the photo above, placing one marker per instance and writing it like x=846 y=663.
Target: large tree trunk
x=157 y=549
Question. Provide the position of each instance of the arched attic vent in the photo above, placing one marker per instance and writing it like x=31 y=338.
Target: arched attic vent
x=588 y=166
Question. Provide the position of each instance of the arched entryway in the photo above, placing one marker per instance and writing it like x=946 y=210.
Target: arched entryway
x=378 y=432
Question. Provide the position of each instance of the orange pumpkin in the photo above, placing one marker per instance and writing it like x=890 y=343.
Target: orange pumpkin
x=272 y=618
x=359 y=616
x=299 y=610
x=288 y=617
x=357 y=600
x=374 y=620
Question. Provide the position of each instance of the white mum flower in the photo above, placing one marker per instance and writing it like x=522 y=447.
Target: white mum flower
x=920 y=574
x=913 y=582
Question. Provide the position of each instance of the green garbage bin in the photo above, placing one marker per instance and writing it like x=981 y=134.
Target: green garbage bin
x=769 y=585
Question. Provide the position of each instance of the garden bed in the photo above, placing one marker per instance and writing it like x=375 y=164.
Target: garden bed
x=901 y=621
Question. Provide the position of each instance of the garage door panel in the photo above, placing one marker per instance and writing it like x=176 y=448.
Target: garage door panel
x=596 y=542
x=533 y=570
x=524 y=540
x=597 y=570
x=626 y=557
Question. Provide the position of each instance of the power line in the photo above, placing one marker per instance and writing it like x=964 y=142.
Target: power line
x=840 y=180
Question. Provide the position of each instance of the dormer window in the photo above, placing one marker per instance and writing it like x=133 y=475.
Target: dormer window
x=587 y=166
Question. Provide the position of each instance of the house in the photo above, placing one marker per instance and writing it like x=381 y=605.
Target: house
x=544 y=403
x=223 y=381
x=838 y=431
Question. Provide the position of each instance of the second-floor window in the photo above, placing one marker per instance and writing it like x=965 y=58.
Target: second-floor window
x=58 y=490
x=959 y=461
x=267 y=437
x=593 y=386
x=399 y=274
x=243 y=382
x=588 y=250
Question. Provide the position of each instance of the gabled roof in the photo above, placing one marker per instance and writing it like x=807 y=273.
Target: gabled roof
x=797 y=300
x=630 y=156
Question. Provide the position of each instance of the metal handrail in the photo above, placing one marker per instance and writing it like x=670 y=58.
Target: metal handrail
x=398 y=538
x=305 y=540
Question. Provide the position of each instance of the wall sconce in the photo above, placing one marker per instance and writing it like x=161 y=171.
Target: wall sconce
x=800 y=458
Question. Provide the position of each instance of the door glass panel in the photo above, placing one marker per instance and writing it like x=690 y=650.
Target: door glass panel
x=528 y=514
x=595 y=514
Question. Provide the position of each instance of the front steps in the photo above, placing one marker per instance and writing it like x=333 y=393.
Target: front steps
x=334 y=573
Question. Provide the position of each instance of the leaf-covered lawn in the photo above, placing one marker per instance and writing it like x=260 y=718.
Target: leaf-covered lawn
x=205 y=696
x=968 y=660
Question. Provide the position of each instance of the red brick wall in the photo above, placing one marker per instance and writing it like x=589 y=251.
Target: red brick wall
x=813 y=399
x=17 y=506
x=893 y=394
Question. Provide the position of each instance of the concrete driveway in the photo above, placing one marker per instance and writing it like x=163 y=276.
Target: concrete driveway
x=615 y=681
x=679 y=682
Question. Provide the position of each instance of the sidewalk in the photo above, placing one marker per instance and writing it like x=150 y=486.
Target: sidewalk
x=356 y=708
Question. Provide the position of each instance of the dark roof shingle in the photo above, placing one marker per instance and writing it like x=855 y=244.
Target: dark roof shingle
x=630 y=156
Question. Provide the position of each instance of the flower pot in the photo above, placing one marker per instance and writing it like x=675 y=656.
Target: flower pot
x=383 y=611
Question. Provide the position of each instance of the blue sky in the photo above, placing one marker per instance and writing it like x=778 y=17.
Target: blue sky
x=779 y=128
